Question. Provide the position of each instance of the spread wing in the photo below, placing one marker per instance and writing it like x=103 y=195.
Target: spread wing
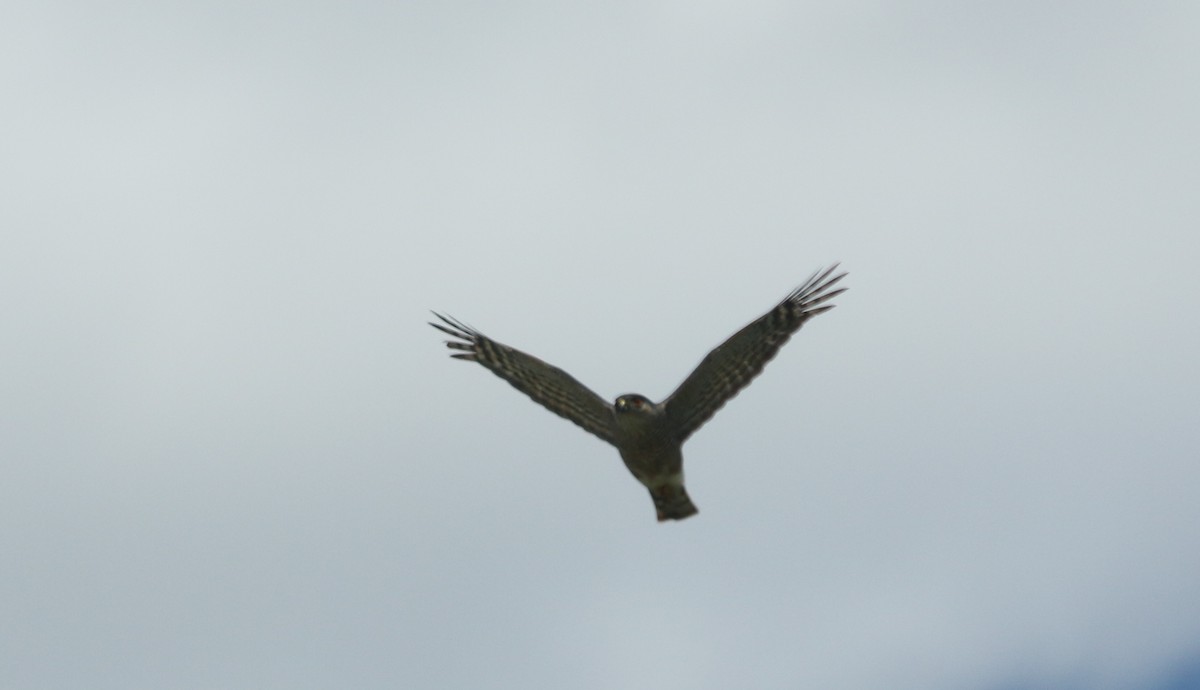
x=734 y=364
x=549 y=386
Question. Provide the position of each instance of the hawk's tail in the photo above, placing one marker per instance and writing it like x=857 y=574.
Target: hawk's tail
x=672 y=502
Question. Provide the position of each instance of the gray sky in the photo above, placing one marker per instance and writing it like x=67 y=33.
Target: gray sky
x=236 y=457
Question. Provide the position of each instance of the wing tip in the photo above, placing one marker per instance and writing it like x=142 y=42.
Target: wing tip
x=816 y=289
x=465 y=337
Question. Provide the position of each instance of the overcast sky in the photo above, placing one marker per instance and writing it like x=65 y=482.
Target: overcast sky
x=235 y=457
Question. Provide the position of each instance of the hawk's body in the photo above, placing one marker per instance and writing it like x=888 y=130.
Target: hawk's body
x=653 y=454
x=650 y=436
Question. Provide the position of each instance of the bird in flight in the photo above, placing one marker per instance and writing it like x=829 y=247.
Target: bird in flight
x=650 y=436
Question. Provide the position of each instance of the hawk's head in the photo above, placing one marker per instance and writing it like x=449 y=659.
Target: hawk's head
x=632 y=403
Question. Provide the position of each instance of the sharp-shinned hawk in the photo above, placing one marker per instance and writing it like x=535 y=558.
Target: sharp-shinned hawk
x=650 y=436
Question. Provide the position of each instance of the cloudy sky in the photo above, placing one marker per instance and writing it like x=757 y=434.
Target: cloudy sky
x=235 y=457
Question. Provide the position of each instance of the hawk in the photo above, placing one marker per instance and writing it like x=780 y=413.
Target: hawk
x=650 y=436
